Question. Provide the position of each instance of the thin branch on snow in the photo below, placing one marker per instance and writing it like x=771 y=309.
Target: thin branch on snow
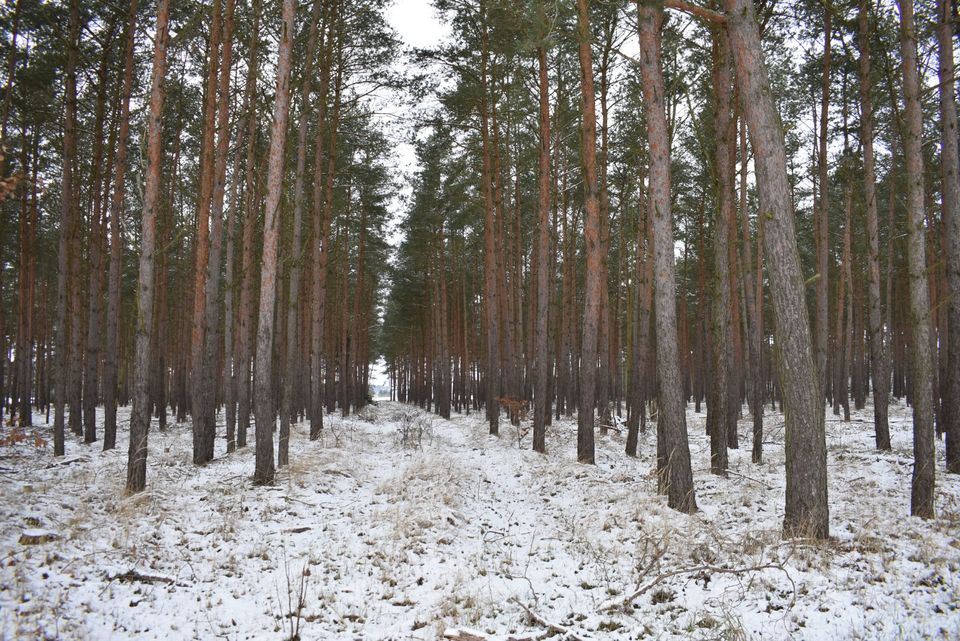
x=553 y=627
x=617 y=604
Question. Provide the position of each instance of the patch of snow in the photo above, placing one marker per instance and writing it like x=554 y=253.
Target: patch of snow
x=397 y=524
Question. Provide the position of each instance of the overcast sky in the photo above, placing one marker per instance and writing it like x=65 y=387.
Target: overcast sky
x=416 y=22
x=417 y=25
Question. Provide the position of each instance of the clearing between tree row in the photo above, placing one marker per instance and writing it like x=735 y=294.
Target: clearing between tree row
x=400 y=525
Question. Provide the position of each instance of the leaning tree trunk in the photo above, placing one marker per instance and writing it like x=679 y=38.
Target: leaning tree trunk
x=806 y=512
x=140 y=414
x=263 y=365
x=676 y=475
x=922 y=495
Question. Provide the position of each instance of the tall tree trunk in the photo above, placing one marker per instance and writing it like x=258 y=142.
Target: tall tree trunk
x=844 y=335
x=211 y=316
x=540 y=412
x=718 y=413
x=676 y=474
x=323 y=186
x=263 y=365
x=95 y=294
x=753 y=290
x=880 y=372
x=140 y=414
x=821 y=233
x=950 y=175
x=202 y=430
x=806 y=511
x=297 y=262
x=116 y=242
x=593 y=280
x=66 y=278
x=490 y=302
x=922 y=495
x=230 y=360
x=28 y=278
x=607 y=330
x=641 y=323
x=251 y=206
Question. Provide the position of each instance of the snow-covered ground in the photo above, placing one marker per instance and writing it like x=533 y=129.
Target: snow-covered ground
x=456 y=531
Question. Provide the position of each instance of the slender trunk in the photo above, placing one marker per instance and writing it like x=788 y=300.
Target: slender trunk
x=230 y=363
x=593 y=279
x=263 y=365
x=880 y=372
x=211 y=316
x=606 y=323
x=844 y=336
x=492 y=373
x=540 y=412
x=641 y=323
x=95 y=294
x=251 y=206
x=140 y=415
x=950 y=175
x=822 y=238
x=922 y=495
x=116 y=242
x=753 y=290
x=676 y=473
x=297 y=263
x=806 y=512
x=718 y=413
x=66 y=278
x=323 y=185
x=28 y=282
x=321 y=233
x=203 y=430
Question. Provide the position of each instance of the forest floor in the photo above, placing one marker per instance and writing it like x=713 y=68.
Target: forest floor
x=455 y=532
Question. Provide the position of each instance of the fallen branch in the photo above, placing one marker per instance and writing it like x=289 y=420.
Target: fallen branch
x=135 y=577
x=617 y=604
x=744 y=476
x=70 y=461
x=612 y=428
x=553 y=627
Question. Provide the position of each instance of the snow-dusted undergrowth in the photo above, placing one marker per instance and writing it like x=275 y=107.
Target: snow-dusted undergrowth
x=367 y=537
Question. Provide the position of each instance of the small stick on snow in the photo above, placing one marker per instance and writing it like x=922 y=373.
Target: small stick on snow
x=553 y=627
x=132 y=576
x=744 y=476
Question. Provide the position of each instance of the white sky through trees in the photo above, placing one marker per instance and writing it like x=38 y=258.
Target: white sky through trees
x=418 y=25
